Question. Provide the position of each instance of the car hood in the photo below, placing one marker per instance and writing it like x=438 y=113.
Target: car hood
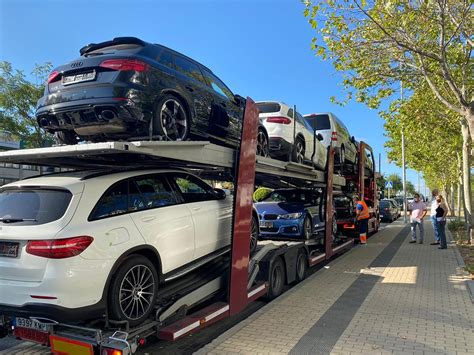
x=279 y=207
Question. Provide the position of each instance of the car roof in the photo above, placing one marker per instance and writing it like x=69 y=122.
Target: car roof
x=281 y=103
x=74 y=180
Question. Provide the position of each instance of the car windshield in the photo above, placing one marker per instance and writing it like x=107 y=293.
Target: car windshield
x=288 y=196
x=268 y=107
x=33 y=206
x=319 y=122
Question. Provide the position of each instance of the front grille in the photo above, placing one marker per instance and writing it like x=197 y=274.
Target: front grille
x=270 y=217
x=271 y=230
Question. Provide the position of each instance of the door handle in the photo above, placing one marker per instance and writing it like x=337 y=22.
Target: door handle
x=195 y=209
x=189 y=88
x=148 y=218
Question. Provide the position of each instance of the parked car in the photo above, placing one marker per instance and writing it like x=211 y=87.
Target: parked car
x=389 y=210
x=75 y=244
x=127 y=89
x=399 y=201
x=336 y=133
x=368 y=161
x=291 y=140
x=292 y=214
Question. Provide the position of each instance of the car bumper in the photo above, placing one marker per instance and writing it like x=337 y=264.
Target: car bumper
x=280 y=148
x=282 y=229
x=104 y=114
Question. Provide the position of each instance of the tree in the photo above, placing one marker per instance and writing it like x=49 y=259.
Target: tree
x=397 y=183
x=378 y=43
x=18 y=98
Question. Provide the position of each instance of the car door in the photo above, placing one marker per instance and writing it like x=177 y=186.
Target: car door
x=314 y=200
x=212 y=217
x=164 y=222
x=191 y=81
x=344 y=137
x=226 y=117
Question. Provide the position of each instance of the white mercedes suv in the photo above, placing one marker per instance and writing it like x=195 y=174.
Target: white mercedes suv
x=75 y=244
x=291 y=139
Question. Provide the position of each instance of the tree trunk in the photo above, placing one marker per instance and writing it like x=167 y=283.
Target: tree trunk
x=469 y=115
x=466 y=149
x=458 y=202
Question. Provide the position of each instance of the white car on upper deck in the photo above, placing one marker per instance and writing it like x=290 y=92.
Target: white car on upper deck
x=291 y=139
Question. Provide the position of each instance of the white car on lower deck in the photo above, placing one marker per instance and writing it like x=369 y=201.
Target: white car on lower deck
x=291 y=139
x=75 y=244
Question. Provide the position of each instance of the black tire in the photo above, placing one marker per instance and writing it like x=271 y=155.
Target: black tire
x=254 y=235
x=301 y=266
x=298 y=151
x=131 y=304
x=65 y=137
x=307 y=232
x=263 y=145
x=276 y=279
x=171 y=120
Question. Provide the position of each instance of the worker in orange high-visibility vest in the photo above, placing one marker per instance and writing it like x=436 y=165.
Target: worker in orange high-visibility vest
x=362 y=216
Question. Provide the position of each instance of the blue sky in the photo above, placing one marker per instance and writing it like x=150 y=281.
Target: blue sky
x=259 y=48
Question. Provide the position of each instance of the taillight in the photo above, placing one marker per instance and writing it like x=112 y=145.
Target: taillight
x=334 y=136
x=59 y=248
x=53 y=76
x=125 y=65
x=109 y=351
x=281 y=120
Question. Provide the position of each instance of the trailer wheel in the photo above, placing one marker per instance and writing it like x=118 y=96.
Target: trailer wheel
x=277 y=279
x=301 y=266
x=133 y=290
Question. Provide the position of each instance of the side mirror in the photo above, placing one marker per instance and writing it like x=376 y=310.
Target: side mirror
x=220 y=194
x=239 y=100
x=320 y=137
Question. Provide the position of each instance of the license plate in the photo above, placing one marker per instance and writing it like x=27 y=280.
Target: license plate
x=78 y=78
x=9 y=249
x=30 y=324
x=266 y=224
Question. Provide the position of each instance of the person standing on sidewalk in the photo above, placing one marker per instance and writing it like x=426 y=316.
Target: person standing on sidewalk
x=441 y=212
x=434 y=221
x=418 y=212
x=362 y=216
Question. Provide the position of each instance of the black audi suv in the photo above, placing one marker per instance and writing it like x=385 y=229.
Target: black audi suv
x=130 y=89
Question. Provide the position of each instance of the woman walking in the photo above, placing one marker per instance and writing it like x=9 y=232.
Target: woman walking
x=441 y=212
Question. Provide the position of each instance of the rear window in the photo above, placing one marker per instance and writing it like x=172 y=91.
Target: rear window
x=319 y=122
x=33 y=206
x=268 y=107
x=128 y=48
x=384 y=204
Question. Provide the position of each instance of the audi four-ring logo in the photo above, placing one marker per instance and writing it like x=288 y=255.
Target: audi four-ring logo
x=77 y=64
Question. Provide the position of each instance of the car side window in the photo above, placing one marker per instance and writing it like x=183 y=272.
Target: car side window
x=217 y=85
x=290 y=113
x=188 y=68
x=192 y=189
x=153 y=192
x=114 y=202
x=166 y=58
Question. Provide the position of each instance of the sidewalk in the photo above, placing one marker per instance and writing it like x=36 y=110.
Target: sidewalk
x=387 y=297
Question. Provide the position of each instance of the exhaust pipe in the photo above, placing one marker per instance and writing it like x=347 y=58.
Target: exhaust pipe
x=108 y=114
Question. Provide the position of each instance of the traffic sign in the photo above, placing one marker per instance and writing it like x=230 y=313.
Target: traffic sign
x=389 y=185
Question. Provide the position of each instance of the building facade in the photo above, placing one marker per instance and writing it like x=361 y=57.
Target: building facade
x=13 y=172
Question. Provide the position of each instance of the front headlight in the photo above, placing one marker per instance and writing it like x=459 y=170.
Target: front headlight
x=290 y=216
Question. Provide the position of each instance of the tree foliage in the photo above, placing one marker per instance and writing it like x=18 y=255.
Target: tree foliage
x=18 y=98
x=377 y=43
x=261 y=193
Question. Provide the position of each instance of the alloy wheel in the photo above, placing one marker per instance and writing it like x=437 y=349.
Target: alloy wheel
x=299 y=152
x=307 y=228
x=262 y=144
x=136 y=292
x=173 y=120
x=253 y=236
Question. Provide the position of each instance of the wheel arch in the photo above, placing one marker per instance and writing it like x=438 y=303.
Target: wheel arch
x=190 y=110
x=147 y=251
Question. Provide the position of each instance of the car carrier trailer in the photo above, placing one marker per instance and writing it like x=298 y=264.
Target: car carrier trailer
x=216 y=290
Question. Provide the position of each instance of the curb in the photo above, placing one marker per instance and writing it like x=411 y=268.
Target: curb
x=460 y=260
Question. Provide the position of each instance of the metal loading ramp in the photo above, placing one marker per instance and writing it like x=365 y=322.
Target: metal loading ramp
x=215 y=159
